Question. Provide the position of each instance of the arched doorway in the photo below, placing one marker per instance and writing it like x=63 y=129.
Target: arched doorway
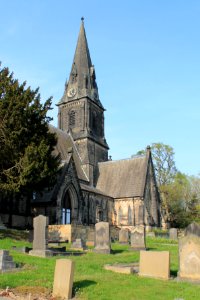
x=69 y=212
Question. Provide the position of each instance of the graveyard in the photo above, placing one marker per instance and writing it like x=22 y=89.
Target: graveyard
x=34 y=275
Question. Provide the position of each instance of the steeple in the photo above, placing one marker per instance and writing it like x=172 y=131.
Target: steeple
x=81 y=112
x=82 y=79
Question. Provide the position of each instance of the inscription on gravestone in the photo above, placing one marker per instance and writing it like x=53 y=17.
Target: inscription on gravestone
x=102 y=237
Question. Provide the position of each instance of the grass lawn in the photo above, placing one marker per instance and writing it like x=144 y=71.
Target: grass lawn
x=91 y=280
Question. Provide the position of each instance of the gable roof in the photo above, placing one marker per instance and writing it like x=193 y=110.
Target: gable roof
x=65 y=147
x=123 y=178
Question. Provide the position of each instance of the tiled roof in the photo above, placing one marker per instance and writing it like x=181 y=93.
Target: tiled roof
x=123 y=178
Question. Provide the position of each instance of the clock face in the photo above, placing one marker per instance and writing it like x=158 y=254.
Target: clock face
x=71 y=92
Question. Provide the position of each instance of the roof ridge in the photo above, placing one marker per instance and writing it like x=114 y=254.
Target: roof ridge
x=123 y=159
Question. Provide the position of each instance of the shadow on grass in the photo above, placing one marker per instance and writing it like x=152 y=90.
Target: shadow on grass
x=81 y=285
x=173 y=273
x=116 y=251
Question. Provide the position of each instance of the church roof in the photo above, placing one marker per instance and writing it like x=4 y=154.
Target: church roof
x=65 y=147
x=123 y=178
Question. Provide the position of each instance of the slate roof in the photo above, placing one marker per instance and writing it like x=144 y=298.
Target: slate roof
x=92 y=189
x=65 y=146
x=123 y=178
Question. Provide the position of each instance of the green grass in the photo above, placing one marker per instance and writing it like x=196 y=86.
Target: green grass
x=92 y=281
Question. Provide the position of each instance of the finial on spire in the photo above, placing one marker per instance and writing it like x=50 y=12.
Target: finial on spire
x=82 y=19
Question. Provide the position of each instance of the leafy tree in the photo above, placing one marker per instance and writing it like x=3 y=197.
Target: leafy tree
x=26 y=145
x=164 y=164
x=180 y=194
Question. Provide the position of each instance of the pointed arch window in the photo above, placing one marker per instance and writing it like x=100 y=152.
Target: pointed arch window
x=72 y=118
x=130 y=217
x=120 y=216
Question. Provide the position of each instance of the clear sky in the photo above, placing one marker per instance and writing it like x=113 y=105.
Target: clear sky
x=147 y=59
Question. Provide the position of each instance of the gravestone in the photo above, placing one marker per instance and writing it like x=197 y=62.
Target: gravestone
x=138 y=238
x=173 y=234
x=155 y=264
x=189 y=257
x=6 y=261
x=40 y=234
x=63 y=278
x=123 y=236
x=78 y=244
x=193 y=229
x=151 y=234
x=102 y=237
x=2 y=226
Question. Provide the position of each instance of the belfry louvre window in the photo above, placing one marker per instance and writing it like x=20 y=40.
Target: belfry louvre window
x=72 y=118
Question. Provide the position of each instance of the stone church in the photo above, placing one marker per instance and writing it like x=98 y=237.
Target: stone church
x=91 y=187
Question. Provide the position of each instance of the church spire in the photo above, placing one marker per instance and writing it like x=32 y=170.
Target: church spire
x=82 y=79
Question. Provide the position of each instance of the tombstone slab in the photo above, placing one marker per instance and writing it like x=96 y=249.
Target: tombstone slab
x=155 y=264
x=63 y=278
x=40 y=237
x=138 y=240
x=123 y=236
x=102 y=238
x=2 y=226
x=78 y=244
x=193 y=229
x=189 y=257
x=173 y=234
x=6 y=261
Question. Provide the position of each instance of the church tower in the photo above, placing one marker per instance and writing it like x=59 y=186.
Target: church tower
x=81 y=112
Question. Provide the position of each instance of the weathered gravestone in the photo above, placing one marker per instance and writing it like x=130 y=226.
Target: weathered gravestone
x=40 y=237
x=155 y=264
x=102 y=237
x=173 y=234
x=123 y=236
x=193 y=229
x=63 y=278
x=2 y=226
x=189 y=254
x=138 y=238
x=6 y=261
x=79 y=244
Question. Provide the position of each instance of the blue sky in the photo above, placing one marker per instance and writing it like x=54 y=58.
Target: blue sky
x=147 y=59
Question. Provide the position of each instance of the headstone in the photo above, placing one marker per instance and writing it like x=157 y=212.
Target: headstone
x=193 y=229
x=151 y=234
x=2 y=226
x=102 y=237
x=79 y=244
x=138 y=238
x=63 y=278
x=155 y=264
x=173 y=234
x=40 y=234
x=189 y=257
x=123 y=236
x=6 y=261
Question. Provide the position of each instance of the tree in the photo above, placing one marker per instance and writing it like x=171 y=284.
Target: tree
x=26 y=145
x=164 y=164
